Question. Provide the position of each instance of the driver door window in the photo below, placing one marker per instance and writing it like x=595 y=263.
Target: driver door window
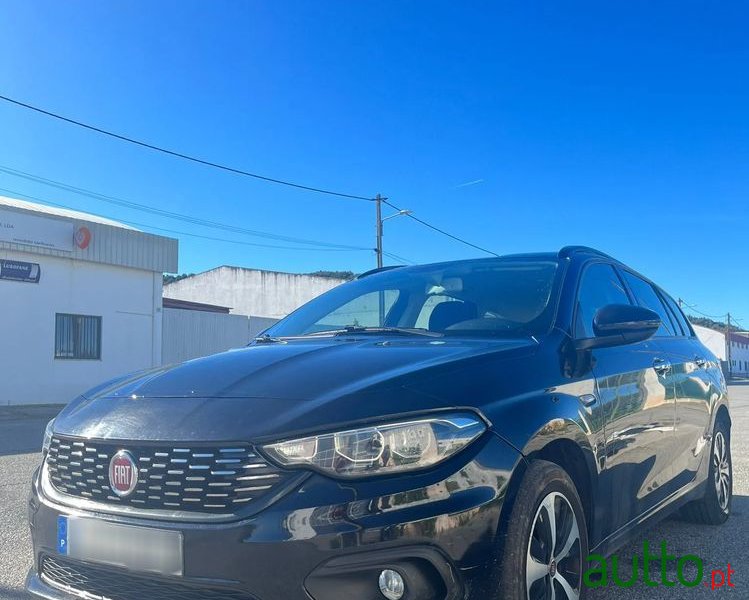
x=599 y=286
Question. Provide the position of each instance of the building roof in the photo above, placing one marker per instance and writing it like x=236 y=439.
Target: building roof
x=199 y=306
x=740 y=336
x=46 y=230
x=60 y=212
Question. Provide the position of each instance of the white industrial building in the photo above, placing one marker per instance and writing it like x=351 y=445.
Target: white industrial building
x=81 y=298
x=733 y=353
x=251 y=292
x=739 y=353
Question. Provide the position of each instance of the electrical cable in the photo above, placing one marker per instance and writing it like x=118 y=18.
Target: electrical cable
x=170 y=214
x=182 y=155
x=438 y=230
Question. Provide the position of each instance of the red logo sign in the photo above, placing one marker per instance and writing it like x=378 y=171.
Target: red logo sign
x=82 y=237
x=123 y=474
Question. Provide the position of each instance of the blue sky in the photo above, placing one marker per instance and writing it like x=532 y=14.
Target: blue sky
x=621 y=125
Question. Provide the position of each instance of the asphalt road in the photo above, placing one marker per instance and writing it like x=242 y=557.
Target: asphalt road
x=21 y=435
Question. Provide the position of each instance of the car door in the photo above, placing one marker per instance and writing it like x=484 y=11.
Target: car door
x=678 y=351
x=698 y=390
x=633 y=389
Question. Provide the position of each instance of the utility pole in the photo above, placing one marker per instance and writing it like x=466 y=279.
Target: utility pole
x=728 y=345
x=378 y=248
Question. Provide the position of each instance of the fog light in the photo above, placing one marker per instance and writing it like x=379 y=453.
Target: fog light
x=392 y=585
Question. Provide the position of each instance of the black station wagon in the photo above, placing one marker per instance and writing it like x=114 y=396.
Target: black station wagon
x=470 y=429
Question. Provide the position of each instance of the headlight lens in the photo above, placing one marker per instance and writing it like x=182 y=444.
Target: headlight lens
x=47 y=436
x=382 y=449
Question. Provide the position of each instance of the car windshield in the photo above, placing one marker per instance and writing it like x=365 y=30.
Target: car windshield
x=494 y=297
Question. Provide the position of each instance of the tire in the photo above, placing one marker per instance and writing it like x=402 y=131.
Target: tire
x=714 y=507
x=528 y=554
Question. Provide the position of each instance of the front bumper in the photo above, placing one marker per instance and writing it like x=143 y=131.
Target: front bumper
x=326 y=540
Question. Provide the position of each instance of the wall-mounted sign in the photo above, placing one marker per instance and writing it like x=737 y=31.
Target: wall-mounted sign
x=82 y=237
x=20 y=271
x=31 y=230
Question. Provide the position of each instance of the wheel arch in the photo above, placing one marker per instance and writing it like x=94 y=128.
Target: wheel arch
x=573 y=454
x=722 y=415
x=579 y=464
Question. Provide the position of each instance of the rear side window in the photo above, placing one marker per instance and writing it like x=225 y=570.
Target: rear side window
x=678 y=314
x=599 y=286
x=647 y=297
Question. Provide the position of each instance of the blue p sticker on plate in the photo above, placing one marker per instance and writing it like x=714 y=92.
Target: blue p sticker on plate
x=62 y=534
x=136 y=548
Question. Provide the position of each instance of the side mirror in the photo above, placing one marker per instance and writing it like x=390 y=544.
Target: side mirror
x=619 y=324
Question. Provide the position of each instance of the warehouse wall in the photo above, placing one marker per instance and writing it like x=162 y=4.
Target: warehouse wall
x=128 y=300
x=259 y=324
x=190 y=334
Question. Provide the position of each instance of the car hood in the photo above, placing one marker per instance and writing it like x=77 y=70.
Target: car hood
x=276 y=390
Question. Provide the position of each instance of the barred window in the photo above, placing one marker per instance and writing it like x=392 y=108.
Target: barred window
x=77 y=336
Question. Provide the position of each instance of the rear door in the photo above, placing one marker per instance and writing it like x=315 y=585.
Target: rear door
x=638 y=406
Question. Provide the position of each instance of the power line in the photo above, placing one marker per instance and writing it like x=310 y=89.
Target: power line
x=205 y=222
x=174 y=153
x=693 y=307
x=195 y=235
x=230 y=169
x=398 y=258
x=170 y=214
x=438 y=230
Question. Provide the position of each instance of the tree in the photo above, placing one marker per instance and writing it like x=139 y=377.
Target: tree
x=347 y=275
x=710 y=324
x=173 y=278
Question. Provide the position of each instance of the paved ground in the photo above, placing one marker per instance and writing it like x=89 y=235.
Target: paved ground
x=21 y=436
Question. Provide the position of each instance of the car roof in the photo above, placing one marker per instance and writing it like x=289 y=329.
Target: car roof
x=540 y=256
x=566 y=252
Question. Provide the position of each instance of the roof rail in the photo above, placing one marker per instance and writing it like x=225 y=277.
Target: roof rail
x=379 y=270
x=568 y=251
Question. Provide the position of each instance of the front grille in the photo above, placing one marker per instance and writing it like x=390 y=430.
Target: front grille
x=100 y=583
x=217 y=480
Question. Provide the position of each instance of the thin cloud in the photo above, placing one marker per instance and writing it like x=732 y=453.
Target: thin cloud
x=469 y=183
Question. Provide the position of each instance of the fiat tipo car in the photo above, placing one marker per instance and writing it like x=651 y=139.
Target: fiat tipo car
x=470 y=429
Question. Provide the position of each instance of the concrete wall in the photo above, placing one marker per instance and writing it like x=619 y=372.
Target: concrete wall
x=128 y=300
x=249 y=291
x=714 y=340
x=191 y=334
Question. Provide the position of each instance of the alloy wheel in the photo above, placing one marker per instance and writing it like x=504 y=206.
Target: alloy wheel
x=722 y=471
x=553 y=569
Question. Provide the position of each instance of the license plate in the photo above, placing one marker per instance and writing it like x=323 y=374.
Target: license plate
x=136 y=548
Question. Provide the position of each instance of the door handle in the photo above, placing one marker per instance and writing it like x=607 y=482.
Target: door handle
x=661 y=366
x=588 y=399
x=700 y=362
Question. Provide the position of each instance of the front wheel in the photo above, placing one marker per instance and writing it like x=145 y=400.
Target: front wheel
x=547 y=540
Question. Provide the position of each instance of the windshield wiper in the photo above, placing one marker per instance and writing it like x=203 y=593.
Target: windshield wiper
x=355 y=329
x=267 y=339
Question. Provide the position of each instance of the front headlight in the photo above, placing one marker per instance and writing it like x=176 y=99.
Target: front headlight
x=382 y=449
x=47 y=436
